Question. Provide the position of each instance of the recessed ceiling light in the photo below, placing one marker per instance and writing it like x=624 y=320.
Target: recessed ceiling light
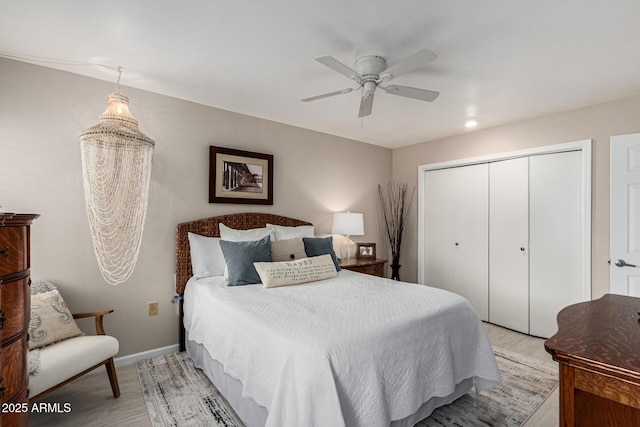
x=471 y=123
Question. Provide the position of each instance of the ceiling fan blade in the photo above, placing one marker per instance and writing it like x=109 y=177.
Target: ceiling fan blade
x=338 y=66
x=410 y=63
x=412 y=92
x=326 y=95
x=366 y=106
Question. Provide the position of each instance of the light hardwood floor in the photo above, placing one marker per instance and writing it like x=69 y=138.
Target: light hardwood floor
x=93 y=404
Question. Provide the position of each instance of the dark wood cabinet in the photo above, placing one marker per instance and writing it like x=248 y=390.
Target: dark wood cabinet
x=375 y=267
x=598 y=349
x=15 y=300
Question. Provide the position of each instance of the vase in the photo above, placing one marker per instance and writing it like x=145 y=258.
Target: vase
x=395 y=271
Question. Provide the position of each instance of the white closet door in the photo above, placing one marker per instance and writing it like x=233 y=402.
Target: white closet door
x=439 y=228
x=471 y=243
x=456 y=233
x=555 y=262
x=509 y=244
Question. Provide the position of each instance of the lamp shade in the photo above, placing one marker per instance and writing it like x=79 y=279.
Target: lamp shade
x=350 y=224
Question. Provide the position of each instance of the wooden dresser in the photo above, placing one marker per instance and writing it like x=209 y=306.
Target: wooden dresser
x=375 y=267
x=15 y=301
x=598 y=348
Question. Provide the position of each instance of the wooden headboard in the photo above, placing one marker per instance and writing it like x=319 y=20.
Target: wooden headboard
x=209 y=227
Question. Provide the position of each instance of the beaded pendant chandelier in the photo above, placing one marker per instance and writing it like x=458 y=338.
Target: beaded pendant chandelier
x=116 y=167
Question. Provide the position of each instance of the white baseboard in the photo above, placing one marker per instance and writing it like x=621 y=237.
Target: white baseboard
x=132 y=358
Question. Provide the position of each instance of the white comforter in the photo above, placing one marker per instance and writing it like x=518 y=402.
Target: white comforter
x=356 y=350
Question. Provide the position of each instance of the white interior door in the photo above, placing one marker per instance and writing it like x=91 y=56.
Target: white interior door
x=625 y=215
x=555 y=238
x=509 y=244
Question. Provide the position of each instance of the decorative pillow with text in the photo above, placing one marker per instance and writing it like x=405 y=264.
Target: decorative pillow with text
x=273 y=274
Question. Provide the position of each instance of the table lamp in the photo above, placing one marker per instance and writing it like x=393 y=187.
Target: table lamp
x=349 y=224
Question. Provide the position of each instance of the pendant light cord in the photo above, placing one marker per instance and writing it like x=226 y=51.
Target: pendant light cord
x=119 y=75
x=39 y=59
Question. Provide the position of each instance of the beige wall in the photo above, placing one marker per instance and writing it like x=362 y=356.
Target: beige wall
x=598 y=123
x=41 y=113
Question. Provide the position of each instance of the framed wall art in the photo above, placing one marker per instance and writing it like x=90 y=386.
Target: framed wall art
x=237 y=176
x=366 y=251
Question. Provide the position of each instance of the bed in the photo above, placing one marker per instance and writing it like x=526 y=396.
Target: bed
x=351 y=350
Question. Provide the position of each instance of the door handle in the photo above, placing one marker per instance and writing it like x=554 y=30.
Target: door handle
x=623 y=263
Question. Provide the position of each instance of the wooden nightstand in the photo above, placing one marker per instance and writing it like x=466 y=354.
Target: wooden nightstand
x=375 y=267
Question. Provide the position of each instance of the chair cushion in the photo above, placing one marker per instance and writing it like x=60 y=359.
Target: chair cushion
x=64 y=359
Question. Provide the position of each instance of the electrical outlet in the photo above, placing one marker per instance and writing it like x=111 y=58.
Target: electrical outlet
x=153 y=308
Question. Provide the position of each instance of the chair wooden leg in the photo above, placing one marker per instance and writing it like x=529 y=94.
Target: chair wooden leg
x=113 y=378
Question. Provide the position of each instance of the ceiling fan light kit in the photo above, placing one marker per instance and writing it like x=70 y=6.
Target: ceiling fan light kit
x=371 y=70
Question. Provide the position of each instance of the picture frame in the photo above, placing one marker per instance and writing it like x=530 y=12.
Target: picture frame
x=237 y=176
x=366 y=251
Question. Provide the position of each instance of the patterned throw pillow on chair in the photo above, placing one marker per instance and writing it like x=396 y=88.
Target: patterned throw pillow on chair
x=40 y=286
x=51 y=321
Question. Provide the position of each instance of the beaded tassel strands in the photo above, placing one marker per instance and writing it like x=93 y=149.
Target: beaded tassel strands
x=116 y=167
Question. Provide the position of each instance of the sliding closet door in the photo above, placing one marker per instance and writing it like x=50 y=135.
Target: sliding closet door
x=555 y=199
x=456 y=233
x=509 y=244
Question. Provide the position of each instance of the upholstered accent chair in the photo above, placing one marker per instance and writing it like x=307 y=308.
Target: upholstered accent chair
x=53 y=365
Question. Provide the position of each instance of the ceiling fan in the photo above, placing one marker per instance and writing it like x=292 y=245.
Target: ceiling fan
x=372 y=70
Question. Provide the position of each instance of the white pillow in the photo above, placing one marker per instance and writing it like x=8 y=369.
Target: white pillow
x=206 y=256
x=284 y=233
x=273 y=274
x=233 y=235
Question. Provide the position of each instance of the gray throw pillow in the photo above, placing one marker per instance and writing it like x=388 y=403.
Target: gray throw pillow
x=240 y=257
x=316 y=246
x=287 y=250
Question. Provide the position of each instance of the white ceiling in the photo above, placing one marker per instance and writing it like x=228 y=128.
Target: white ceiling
x=499 y=61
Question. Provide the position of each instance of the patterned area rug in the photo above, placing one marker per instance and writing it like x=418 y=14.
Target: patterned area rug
x=178 y=394
x=526 y=383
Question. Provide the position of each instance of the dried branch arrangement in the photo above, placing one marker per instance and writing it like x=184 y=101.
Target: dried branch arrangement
x=395 y=205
